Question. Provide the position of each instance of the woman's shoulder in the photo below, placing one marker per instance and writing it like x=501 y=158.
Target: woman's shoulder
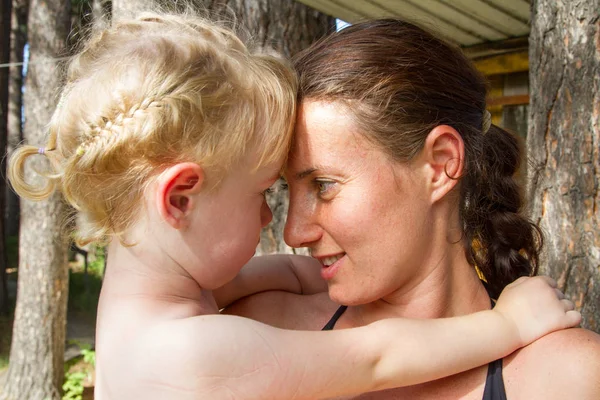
x=560 y=365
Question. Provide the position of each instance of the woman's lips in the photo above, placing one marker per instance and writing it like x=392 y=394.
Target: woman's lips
x=330 y=265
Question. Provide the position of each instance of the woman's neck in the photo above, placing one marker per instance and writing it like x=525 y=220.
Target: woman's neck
x=447 y=287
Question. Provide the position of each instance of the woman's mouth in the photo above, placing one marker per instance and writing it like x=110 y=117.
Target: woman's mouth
x=330 y=265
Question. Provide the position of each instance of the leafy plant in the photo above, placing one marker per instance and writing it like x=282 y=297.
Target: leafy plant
x=73 y=386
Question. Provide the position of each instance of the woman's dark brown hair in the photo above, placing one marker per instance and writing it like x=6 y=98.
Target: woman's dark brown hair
x=399 y=81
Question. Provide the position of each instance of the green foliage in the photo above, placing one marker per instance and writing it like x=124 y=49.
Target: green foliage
x=85 y=291
x=77 y=374
x=73 y=386
x=6 y=323
x=89 y=356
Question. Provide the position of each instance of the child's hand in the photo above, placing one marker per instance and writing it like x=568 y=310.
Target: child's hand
x=536 y=307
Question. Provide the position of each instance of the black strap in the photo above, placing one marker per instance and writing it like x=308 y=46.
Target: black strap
x=494 y=384
x=329 y=326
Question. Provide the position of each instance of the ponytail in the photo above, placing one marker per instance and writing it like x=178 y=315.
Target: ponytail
x=502 y=243
x=16 y=175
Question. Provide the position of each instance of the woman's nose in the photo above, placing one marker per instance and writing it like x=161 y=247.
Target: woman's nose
x=300 y=227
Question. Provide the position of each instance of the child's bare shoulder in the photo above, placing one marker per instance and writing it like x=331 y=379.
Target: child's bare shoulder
x=203 y=355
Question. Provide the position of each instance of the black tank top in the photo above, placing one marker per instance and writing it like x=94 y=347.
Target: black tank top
x=494 y=384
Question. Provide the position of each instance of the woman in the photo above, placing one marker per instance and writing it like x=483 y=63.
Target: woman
x=404 y=191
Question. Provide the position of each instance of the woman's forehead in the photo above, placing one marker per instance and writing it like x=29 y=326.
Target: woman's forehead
x=326 y=138
x=325 y=125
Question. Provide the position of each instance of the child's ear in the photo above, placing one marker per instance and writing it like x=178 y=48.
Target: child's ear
x=176 y=187
x=444 y=153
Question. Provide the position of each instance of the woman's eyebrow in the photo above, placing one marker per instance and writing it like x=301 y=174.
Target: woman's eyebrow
x=303 y=174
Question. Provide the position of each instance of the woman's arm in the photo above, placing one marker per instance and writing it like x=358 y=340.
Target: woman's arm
x=284 y=272
x=237 y=358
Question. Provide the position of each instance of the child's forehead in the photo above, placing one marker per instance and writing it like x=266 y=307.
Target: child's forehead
x=269 y=173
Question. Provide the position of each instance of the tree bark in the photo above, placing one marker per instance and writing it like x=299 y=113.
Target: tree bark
x=18 y=38
x=284 y=25
x=37 y=351
x=130 y=8
x=5 y=15
x=564 y=145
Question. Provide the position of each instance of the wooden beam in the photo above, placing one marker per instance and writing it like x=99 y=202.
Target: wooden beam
x=496 y=47
x=503 y=63
x=508 y=100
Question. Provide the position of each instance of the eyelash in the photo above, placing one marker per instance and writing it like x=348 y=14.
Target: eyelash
x=319 y=186
x=317 y=183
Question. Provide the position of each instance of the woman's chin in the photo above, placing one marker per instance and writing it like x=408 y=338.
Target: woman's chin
x=347 y=296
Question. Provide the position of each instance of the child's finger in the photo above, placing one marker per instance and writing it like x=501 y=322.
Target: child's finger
x=549 y=280
x=559 y=294
x=568 y=304
x=573 y=318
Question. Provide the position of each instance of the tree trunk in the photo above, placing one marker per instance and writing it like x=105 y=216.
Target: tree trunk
x=37 y=351
x=130 y=8
x=284 y=25
x=564 y=146
x=18 y=38
x=5 y=14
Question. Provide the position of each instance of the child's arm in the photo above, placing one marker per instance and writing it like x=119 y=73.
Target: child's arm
x=285 y=272
x=233 y=357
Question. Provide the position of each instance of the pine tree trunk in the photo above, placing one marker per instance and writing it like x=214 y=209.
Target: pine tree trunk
x=18 y=38
x=5 y=14
x=37 y=351
x=564 y=146
x=129 y=8
x=284 y=25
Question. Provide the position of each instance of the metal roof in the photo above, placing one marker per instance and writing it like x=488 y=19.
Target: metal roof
x=466 y=22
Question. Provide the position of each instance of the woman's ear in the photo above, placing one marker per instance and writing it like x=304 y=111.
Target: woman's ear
x=444 y=153
x=177 y=186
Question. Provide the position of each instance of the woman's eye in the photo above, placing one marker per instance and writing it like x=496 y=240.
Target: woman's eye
x=323 y=187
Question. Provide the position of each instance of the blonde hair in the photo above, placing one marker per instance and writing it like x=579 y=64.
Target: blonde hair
x=151 y=92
